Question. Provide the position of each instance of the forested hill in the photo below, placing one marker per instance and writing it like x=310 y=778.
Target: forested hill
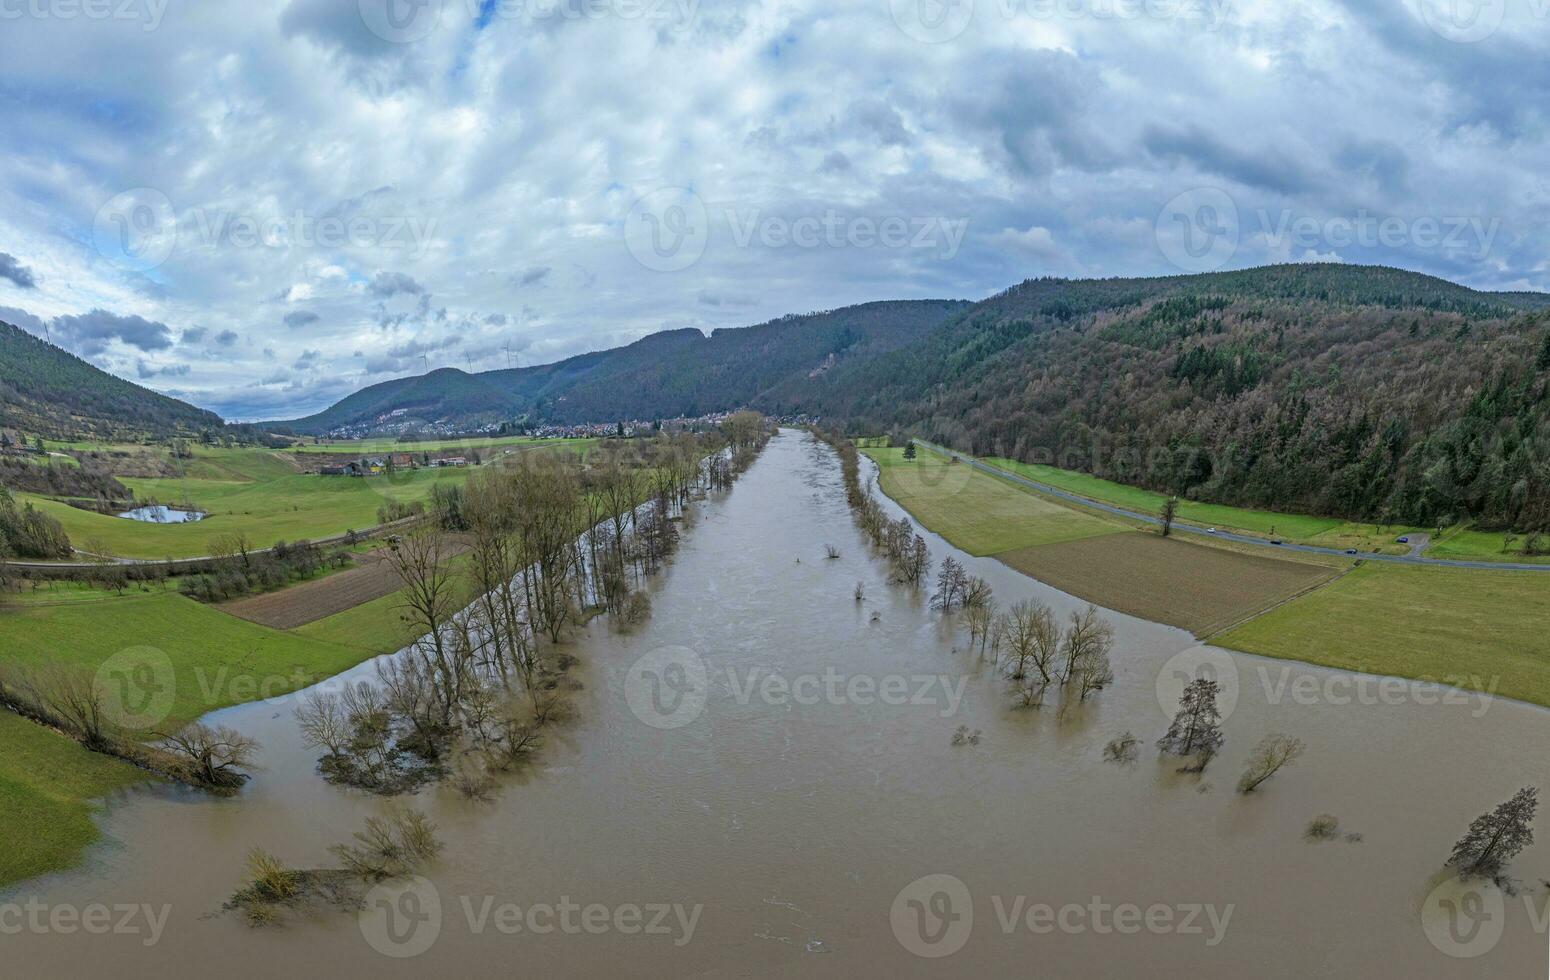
x=50 y=392
x=1361 y=392
x=669 y=374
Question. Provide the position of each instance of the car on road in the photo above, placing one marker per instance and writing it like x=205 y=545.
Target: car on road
x=1210 y=530
x=1404 y=540
x=1350 y=551
x=1275 y=540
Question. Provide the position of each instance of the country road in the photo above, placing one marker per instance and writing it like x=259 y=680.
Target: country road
x=1414 y=557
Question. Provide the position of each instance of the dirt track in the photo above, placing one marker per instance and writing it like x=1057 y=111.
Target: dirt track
x=1201 y=589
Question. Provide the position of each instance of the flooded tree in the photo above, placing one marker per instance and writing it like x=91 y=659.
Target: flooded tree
x=952 y=583
x=1196 y=729
x=1086 y=652
x=1271 y=755
x=212 y=757
x=1031 y=640
x=1495 y=838
x=1122 y=749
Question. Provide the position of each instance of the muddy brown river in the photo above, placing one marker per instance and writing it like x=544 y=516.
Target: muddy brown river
x=763 y=781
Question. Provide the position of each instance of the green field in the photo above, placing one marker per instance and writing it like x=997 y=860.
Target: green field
x=978 y=513
x=1471 y=545
x=1427 y=623
x=47 y=782
x=375 y=626
x=48 y=789
x=258 y=492
x=1329 y=532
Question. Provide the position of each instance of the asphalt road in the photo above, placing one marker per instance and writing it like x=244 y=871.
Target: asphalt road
x=1413 y=558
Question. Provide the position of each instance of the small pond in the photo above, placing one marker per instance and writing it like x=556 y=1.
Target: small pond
x=158 y=514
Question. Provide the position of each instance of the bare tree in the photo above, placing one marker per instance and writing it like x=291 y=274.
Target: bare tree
x=1274 y=753
x=1170 y=510
x=1086 y=650
x=213 y=757
x=1032 y=640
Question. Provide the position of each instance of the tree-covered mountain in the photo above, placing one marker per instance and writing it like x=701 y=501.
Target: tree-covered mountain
x=1363 y=392
x=50 y=392
x=668 y=374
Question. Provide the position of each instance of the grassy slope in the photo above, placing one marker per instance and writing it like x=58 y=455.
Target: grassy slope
x=288 y=507
x=978 y=513
x=375 y=627
x=1407 y=622
x=262 y=493
x=1303 y=528
x=47 y=782
x=1430 y=623
x=46 y=785
x=1479 y=546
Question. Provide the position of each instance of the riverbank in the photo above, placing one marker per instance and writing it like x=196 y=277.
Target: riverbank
x=1475 y=628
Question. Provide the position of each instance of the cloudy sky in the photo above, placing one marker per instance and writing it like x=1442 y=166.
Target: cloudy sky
x=260 y=207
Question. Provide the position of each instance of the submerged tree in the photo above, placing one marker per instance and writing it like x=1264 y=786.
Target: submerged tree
x=1495 y=838
x=1274 y=753
x=1197 y=726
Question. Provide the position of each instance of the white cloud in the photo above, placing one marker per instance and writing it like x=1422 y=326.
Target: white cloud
x=470 y=190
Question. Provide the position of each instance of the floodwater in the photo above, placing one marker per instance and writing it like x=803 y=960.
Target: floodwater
x=781 y=828
x=159 y=514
